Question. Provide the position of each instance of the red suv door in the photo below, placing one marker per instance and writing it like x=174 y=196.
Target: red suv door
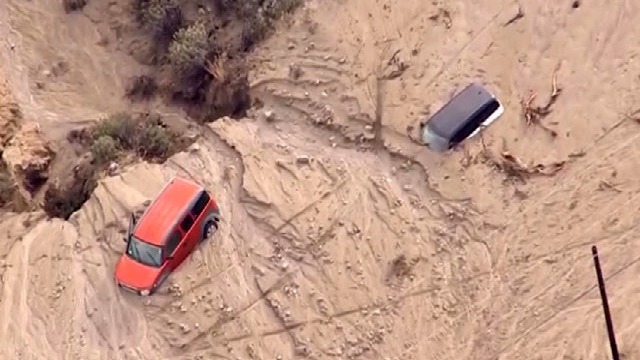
x=172 y=249
x=188 y=235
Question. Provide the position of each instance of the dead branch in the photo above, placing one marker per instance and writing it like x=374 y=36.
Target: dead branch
x=216 y=69
x=633 y=116
x=533 y=115
x=411 y=135
x=512 y=166
x=516 y=17
x=394 y=68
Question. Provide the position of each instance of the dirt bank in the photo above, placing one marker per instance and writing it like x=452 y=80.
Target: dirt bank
x=341 y=238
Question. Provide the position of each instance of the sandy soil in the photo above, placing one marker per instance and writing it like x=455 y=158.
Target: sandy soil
x=332 y=247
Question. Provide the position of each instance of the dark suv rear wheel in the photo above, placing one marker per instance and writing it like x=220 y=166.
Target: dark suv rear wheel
x=209 y=229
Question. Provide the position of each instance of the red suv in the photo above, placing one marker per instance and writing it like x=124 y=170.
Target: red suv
x=181 y=216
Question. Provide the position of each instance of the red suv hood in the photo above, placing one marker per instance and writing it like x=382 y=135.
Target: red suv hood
x=136 y=275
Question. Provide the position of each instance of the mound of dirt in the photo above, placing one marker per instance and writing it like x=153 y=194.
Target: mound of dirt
x=67 y=193
x=29 y=155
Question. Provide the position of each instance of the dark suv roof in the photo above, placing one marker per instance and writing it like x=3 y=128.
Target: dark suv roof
x=453 y=116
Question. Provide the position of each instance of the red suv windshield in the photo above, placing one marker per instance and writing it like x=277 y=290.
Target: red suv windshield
x=144 y=253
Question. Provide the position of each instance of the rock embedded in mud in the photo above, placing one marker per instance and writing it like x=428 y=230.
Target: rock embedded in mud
x=29 y=155
x=303 y=160
x=295 y=71
x=269 y=115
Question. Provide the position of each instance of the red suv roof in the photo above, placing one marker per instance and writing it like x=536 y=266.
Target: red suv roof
x=154 y=225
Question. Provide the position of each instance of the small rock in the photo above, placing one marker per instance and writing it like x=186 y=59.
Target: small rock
x=269 y=115
x=295 y=71
x=113 y=168
x=195 y=147
x=303 y=160
x=284 y=265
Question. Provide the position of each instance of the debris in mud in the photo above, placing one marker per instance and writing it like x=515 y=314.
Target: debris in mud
x=519 y=15
x=513 y=167
x=401 y=268
x=533 y=115
x=634 y=116
x=606 y=185
x=443 y=16
x=73 y=5
x=295 y=71
x=394 y=67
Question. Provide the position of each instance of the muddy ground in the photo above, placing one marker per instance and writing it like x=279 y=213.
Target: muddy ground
x=342 y=239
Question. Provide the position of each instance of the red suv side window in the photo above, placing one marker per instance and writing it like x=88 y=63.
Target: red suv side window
x=186 y=223
x=172 y=244
x=199 y=206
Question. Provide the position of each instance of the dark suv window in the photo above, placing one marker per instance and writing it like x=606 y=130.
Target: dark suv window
x=172 y=243
x=474 y=122
x=186 y=223
x=199 y=206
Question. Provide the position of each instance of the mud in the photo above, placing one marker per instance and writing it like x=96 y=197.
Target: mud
x=341 y=238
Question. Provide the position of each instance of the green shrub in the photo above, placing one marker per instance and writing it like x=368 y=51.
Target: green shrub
x=163 y=16
x=255 y=29
x=189 y=47
x=276 y=9
x=105 y=149
x=154 y=142
x=121 y=127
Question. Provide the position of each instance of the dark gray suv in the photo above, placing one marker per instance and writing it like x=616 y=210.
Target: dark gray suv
x=461 y=118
